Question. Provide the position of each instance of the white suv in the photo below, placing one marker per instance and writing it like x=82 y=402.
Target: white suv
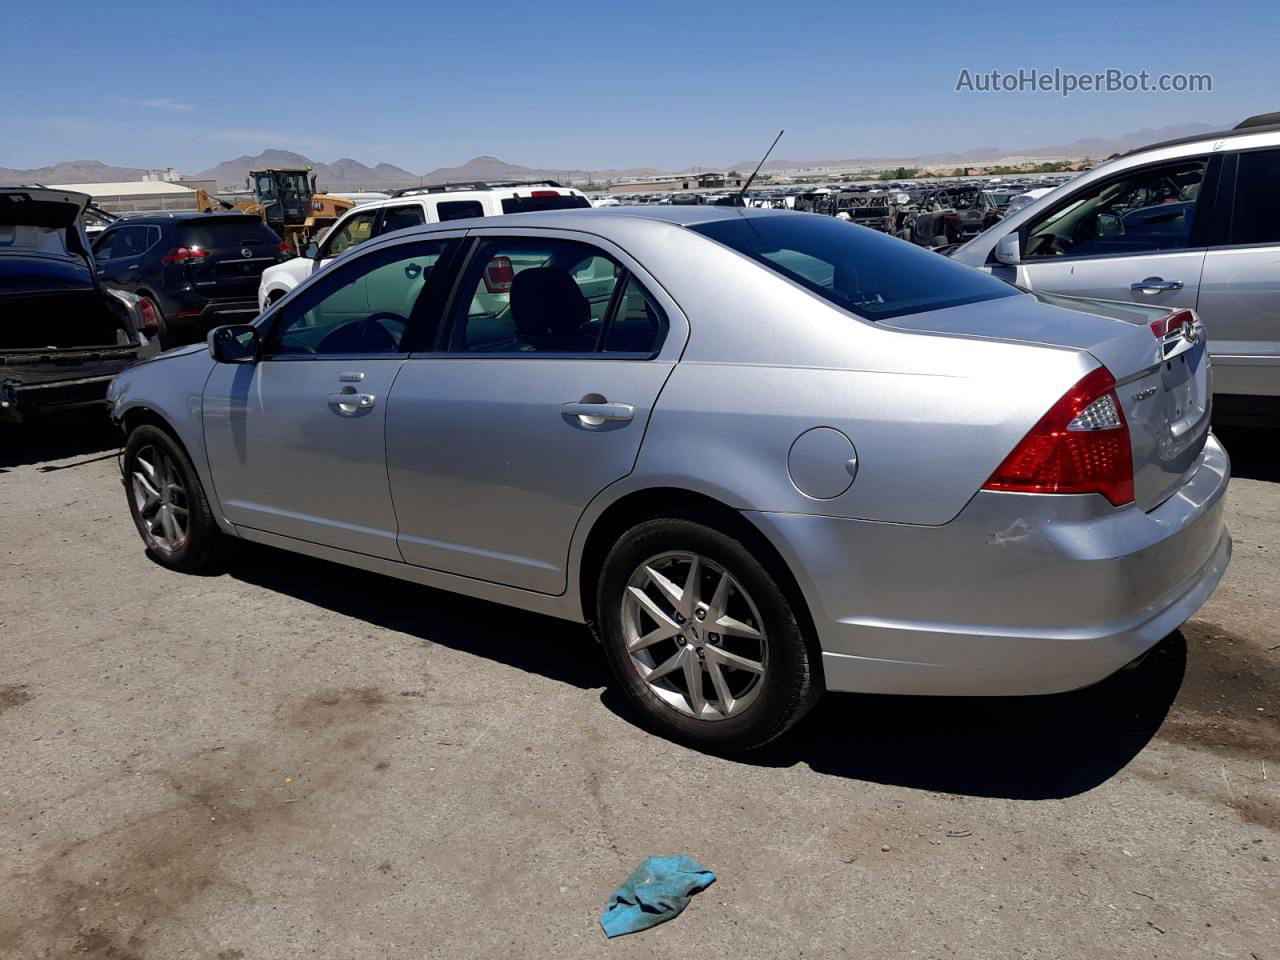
x=410 y=208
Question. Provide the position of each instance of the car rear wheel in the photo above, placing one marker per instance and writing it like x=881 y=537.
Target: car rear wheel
x=702 y=638
x=168 y=503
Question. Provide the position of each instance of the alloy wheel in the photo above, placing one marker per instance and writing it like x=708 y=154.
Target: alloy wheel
x=694 y=635
x=160 y=499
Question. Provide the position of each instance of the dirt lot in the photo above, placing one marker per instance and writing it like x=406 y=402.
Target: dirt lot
x=295 y=759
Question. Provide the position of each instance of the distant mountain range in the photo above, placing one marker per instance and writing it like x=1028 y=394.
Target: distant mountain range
x=351 y=174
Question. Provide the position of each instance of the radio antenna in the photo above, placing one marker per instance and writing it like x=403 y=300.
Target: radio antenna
x=751 y=179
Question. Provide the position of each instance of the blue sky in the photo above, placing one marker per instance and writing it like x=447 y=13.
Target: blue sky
x=594 y=85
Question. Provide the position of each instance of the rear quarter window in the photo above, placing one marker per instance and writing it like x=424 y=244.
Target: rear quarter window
x=871 y=275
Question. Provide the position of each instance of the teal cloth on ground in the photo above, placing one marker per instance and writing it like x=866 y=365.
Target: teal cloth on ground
x=656 y=891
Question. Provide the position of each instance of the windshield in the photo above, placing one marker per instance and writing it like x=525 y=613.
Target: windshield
x=860 y=270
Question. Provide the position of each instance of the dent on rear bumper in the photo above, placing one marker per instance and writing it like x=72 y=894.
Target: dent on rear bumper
x=1020 y=594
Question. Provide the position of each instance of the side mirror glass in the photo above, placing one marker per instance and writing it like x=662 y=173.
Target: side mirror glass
x=313 y=250
x=1109 y=225
x=234 y=343
x=1009 y=249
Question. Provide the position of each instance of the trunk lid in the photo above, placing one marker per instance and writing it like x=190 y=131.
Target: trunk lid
x=1162 y=376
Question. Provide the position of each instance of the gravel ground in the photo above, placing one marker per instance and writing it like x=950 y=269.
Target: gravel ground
x=295 y=759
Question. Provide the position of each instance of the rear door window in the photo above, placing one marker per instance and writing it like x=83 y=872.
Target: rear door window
x=1256 y=214
x=523 y=295
x=401 y=218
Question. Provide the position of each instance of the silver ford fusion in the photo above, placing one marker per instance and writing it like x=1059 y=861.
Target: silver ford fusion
x=763 y=453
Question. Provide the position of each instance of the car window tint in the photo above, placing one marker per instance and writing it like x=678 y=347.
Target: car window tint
x=639 y=325
x=533 y=296
x=863 y=271
x=369 y=309
x=459 y=209
x=400 y=218
x=104 y=246
x=1144 y=210
x=1256 y=217
x=354 y=230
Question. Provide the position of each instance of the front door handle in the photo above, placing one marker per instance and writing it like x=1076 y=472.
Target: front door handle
x=1155 y=285
x=352 y=401
x=597 y=413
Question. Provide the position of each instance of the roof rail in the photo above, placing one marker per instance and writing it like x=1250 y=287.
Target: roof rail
x=1261 y=120
x=469 y=185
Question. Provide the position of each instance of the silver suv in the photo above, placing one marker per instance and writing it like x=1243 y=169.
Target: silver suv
x=1193 y=223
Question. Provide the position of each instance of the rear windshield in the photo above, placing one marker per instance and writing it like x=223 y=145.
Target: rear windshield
x=531 y=204
x=212 y=234
x=865 y=272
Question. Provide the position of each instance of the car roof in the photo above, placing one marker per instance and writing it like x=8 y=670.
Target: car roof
x=183 y=216
x=1262 y=123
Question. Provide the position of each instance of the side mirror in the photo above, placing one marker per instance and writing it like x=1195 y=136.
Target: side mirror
x=1109 y=225
x=313 y=251
x=234 y=343
x=1009 y=249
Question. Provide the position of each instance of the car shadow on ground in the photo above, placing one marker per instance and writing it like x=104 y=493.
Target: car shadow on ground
x=556 y=649
x=1025 y=748
x=57 y=437
x=1017 y=747
x=1254 y=452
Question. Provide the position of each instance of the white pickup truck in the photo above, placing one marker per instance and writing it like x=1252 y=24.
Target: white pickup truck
x=410 y=208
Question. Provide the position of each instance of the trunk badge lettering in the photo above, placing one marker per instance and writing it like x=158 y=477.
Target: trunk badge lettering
x=1143 y=394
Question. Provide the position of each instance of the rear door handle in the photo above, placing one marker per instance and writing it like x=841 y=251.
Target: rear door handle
x=1154 y=284
x=354 y=401
x=598 y=412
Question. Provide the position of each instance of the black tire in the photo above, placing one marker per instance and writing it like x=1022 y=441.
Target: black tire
x=791 y=683
x=204 y=544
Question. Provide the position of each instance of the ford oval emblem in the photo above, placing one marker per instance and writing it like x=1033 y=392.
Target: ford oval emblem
x=246 y=252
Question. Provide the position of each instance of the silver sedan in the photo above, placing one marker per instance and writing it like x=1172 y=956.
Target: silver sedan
x=762 y=453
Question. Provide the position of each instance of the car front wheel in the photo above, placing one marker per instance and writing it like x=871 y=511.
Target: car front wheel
x=702 y=638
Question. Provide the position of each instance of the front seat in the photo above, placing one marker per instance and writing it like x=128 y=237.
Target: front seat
x=550 y=311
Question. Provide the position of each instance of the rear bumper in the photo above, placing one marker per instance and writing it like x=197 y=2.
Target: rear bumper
x=204 y=315
x=19 y=401
x=1020 y=594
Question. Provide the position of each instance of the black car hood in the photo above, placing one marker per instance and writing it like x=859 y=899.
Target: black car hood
x=41 y=207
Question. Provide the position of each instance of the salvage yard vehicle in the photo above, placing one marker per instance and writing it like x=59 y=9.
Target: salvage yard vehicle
x=192 y=271
x=62 y=335
x=412 y=207
x=1193 y=222
x=285 y=199
x=764 y=453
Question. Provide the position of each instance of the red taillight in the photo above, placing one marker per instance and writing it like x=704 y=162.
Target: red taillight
x=150 y=322
x=283 y=249
x=1080 y=446
x=1172 y=323
x=184 y=255
x=498 y=275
